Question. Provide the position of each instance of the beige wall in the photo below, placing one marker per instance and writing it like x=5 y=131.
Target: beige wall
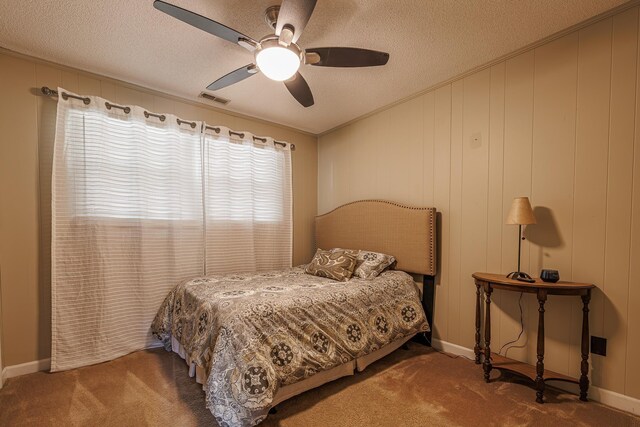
x=559 y=124
x=27 y=123
x=1 y=363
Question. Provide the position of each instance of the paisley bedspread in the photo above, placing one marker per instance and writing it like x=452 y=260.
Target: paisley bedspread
x=256 y=332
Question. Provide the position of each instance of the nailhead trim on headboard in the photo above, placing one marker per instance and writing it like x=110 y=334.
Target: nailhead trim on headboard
x=431 y=237
x=376 y=201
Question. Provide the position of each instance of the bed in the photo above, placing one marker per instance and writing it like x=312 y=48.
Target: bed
x=256 y=339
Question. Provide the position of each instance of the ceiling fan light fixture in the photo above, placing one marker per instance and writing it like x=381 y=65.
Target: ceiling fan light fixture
x=277 y=62
x=277 y=55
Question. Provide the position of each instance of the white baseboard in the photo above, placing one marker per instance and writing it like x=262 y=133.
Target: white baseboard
x=456 y=349
x=604 y=396
x=26 y=368
x=37 y=366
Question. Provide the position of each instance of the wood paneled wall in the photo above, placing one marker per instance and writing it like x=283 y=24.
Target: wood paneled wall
x=559 y=123
x=27 y=126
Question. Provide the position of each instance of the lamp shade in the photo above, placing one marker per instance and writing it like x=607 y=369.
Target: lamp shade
x=521 y=212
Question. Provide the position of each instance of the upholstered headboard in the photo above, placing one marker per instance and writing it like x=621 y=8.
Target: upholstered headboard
x=407 y=233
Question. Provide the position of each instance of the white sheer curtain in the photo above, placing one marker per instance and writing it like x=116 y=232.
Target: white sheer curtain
x=247 y=202
x=126 y=226
x=139 y=204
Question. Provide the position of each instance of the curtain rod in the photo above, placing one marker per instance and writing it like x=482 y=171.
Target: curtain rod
x=86 y=100
x=255 y=138
x=50 y=92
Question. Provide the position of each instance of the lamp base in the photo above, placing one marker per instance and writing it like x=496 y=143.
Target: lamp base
x=519 y=275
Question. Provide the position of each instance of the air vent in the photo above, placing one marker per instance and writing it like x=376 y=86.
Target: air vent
x=214 y=98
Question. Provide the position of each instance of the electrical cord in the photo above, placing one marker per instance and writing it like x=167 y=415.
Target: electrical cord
x=521 y=328
x=451 y=356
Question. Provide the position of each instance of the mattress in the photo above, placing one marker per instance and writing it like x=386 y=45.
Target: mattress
x=252 y=335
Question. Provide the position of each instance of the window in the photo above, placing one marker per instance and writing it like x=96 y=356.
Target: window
x=130 y=169
x=247 y=204
x=244 y=181
x=139 y=204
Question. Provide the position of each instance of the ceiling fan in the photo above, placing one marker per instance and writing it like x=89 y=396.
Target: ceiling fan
x=277 y=55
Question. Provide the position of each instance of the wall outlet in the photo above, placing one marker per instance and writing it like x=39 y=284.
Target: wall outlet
x=599 y=345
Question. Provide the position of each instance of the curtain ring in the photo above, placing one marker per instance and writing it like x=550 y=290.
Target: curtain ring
x=109 y=106
x=66 y=96
x=192 y=124
x=162 y=117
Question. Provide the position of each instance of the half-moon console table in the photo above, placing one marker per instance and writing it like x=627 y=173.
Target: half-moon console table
x=487 y=282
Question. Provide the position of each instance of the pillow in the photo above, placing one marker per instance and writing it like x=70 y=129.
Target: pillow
x=369 y=264
x=336 y=264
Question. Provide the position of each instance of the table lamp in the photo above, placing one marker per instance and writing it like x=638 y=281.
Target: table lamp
x=520 y=214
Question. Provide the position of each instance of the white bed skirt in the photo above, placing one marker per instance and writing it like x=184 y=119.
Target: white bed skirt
x=288 y=391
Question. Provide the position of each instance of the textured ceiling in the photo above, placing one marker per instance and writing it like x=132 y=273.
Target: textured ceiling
x=429 y=41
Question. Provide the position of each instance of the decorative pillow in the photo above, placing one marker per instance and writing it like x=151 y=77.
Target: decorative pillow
x=371 y=264
x=336 y=264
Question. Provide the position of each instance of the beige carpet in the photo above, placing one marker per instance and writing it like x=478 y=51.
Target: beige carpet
x=415 y=387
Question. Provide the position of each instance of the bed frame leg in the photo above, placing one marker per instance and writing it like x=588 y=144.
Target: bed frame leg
x=428 y=288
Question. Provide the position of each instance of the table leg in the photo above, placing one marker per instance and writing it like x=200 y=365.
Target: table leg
x=584 y=365
x=477 y=348
x=487 y=333
x=542 y=297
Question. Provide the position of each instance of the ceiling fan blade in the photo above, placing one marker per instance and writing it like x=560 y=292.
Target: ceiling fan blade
x=206 y=24
x=345 y=57
x=300 y=90
x=294 y=14
x=234 y=77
